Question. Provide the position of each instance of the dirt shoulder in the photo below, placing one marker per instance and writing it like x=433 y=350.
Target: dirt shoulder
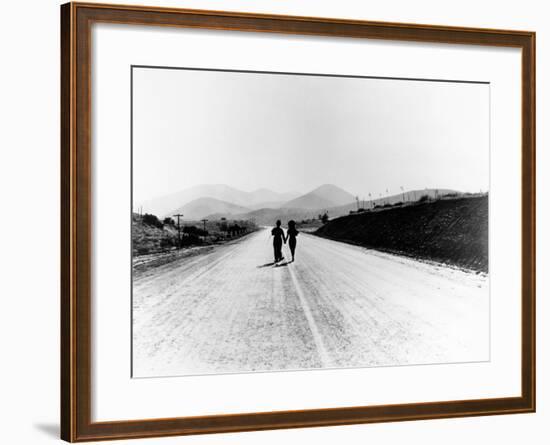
x=143 y=263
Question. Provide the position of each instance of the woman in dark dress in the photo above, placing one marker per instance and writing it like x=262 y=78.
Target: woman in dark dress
x=291 y=235
x=278 y=239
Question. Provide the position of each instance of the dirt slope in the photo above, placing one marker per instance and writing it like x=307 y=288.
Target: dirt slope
x=451 y=231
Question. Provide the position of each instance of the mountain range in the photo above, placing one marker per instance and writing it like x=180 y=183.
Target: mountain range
x=202 y=207
x=167 y=204
x=265 y=206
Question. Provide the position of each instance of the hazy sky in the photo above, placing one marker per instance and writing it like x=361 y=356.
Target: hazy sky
x=294 y=133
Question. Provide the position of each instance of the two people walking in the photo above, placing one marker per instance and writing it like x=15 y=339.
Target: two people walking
x=279 y=238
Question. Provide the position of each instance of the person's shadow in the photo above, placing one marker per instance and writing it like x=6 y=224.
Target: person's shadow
x=286 y=263
x=265 y=265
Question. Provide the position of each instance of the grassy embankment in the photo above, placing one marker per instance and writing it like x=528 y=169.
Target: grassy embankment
x=452 y=231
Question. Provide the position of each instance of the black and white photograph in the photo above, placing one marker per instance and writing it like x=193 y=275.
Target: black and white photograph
x=307 y=221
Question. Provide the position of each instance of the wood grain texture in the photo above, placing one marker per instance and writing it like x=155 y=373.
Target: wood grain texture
x=67 y=347
x=76 y=360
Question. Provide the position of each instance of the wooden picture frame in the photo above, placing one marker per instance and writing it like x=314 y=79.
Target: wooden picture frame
x=76 y=221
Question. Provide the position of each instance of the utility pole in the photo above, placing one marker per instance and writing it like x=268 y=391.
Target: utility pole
x=357 y=201
x=403 y=191
x=179 y=231
x=204 y=221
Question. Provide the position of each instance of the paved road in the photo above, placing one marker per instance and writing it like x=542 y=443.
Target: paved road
x=337 y=305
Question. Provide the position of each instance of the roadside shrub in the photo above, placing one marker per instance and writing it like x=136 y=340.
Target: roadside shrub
x=142 y=250
x=152 y=220
x=424 y=198
x=190 y=240
x=167 y=243
x=194 y=230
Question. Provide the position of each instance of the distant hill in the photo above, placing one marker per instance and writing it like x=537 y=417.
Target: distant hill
x=408 y=196
x=267 y=205
x=264 y=196
x=202 y=207
x=166 y=204
x=327 y=195
x=268 y=215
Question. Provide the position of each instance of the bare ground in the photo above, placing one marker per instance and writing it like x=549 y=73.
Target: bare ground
x=339 y=305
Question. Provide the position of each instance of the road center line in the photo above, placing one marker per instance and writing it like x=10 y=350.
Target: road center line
x=321 y=349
